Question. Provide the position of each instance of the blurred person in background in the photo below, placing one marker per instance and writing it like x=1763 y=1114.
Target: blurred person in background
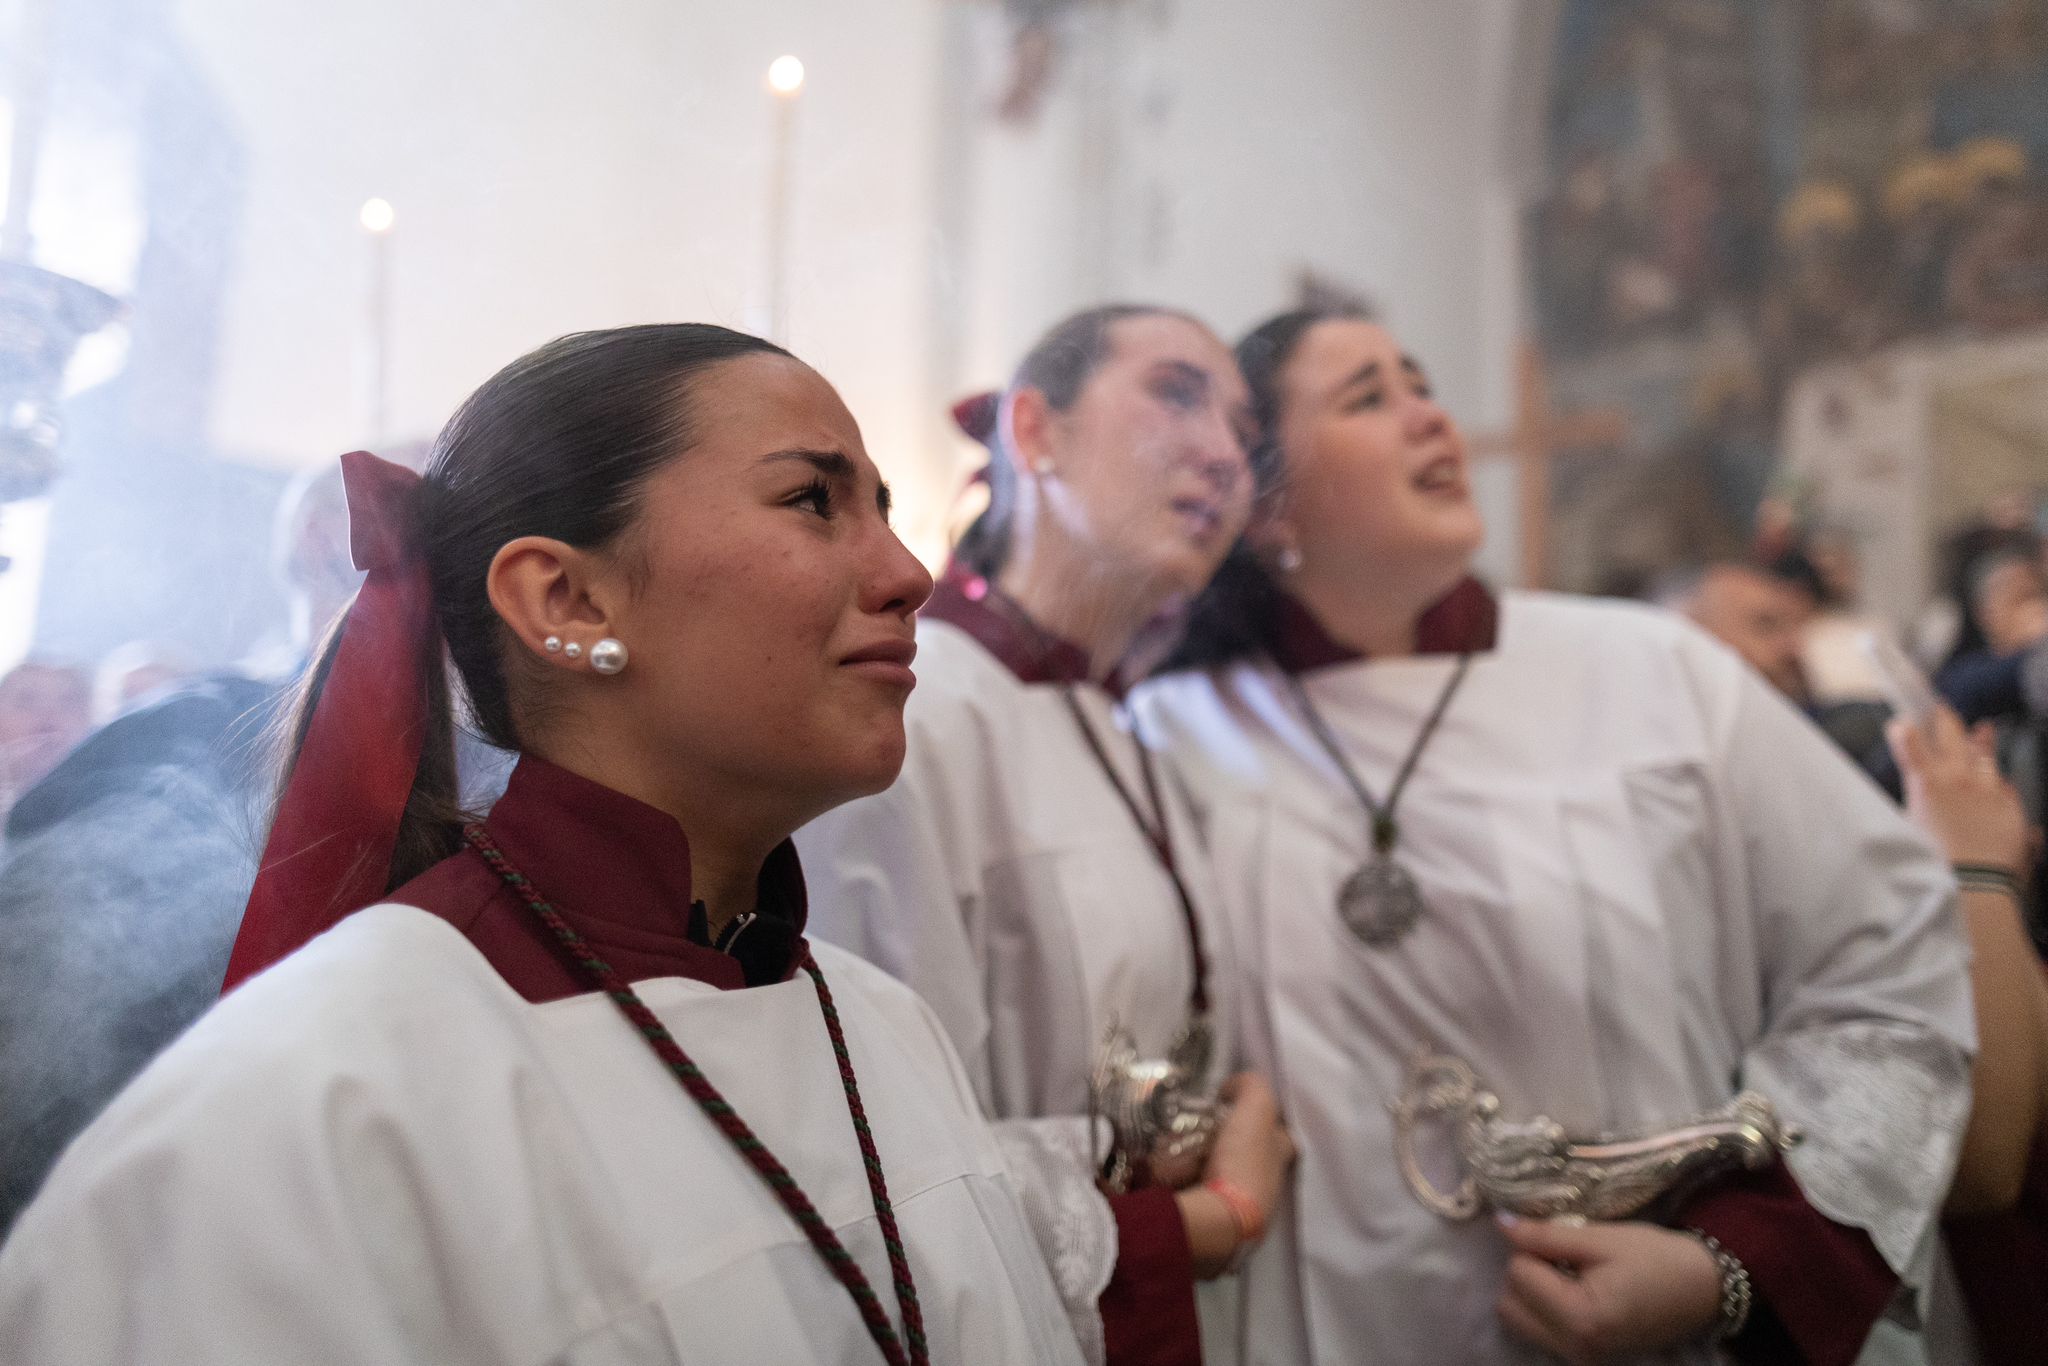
x=1838 y=668
x=129 y=862
x=2002 y=596
x=211 y=725
x=129 y=673
x=1759 y=615
x=1997 y=1216
x=45 y=710
x=1030 y=873
x=1763 y=613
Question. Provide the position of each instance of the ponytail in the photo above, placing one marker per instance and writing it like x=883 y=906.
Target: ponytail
x=561 y=444
x=431 y=827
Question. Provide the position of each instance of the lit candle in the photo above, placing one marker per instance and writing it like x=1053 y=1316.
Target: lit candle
x=377 y=218
x=785 y=82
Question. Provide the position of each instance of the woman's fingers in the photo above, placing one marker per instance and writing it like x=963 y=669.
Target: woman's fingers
x=1909 y=744
x=1544 y=1301
x=1984 y=741
x=1524 y=1324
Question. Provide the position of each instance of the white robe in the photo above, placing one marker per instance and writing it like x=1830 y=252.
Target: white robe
x=378 y=1152
x=1004 y=879
x=1649 y=883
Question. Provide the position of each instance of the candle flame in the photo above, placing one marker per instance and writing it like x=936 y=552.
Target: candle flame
x=785 y=75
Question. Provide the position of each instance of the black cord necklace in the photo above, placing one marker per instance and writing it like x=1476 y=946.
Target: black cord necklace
x=1153 y=826
x=1381 y=902
x=1157 y=834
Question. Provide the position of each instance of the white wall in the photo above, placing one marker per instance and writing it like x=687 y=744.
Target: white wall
x=557 y=167
x=1384 y=145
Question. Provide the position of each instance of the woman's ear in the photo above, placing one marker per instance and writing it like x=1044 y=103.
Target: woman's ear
x=549 y=591
x=1028 y=423
x=1271 y=536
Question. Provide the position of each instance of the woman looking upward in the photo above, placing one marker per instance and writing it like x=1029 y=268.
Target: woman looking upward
x=1568 y=853
x=1030 y=873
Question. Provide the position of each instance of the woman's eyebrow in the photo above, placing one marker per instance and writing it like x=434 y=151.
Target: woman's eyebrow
x=831 y=464
x=1187 y=370
x=1364 y=374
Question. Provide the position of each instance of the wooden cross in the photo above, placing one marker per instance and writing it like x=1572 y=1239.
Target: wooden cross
x=1537 y=436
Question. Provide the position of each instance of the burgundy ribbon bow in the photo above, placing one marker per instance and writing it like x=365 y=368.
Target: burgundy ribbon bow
x=329 y=851
x=976 y=416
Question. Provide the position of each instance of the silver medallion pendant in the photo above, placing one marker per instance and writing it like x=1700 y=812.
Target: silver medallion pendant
x=1380 y=902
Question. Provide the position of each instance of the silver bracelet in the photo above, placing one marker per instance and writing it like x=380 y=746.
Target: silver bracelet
x=1736 y=1292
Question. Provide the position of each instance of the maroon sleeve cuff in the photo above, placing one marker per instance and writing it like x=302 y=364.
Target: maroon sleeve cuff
x=1148 y=1310
x=1819 y=1286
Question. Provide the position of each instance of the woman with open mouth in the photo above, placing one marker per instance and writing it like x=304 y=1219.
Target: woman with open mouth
x=1515 y=878
x=1032 y=874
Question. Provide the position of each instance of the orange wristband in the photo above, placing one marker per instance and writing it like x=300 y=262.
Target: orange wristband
x=1245 y=1212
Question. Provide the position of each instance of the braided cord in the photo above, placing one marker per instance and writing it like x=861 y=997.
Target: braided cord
x=741 y=1136
x=1157 y=833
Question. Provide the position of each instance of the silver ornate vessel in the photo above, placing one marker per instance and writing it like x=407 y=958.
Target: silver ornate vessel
x=1160 y=1114
x=1535 y=1170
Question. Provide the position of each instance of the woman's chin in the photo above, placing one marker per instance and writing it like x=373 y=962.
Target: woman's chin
x=1178 y=575
x=1458 y=531
x=874 y=770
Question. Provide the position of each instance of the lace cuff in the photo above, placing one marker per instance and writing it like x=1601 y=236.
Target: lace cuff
x=1049 y=1162
x=1883 y=1106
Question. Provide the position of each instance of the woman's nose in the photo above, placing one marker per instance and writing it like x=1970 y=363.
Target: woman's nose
x=1221 y=454
x=1426 y=418
x=900 y=584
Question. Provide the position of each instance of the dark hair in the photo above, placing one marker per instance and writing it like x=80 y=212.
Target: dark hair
x=1796 y=567
x=560 y=443
x=1228 y=619
x=1967 y=555
x=1059 y=365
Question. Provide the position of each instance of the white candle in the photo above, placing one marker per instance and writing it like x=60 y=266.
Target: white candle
x=785 y=83
x=378 y=218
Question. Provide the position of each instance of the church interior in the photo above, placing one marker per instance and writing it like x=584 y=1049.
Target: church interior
x=1742 y=307
x=1704 y=280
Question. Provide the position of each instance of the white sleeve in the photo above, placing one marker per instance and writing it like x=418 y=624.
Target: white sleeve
x=1048 y=1162
x=1050 y=1166
x=1868 y=1029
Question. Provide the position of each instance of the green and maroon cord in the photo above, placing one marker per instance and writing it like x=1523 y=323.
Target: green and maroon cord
x=743 y=1138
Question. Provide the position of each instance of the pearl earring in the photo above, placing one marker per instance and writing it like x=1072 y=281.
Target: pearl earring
x=1043 y=467
x=608 y=656
x=572 y=650
x=1288 y=558
x=553 y=645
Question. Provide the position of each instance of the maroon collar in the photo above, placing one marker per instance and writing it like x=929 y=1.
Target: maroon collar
x=1465 y=620
x=966 y=600
x=619 y=872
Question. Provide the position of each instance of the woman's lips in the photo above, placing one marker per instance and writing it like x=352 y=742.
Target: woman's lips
x=1201 y=516
x=886 y=661
x=1442 y=477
